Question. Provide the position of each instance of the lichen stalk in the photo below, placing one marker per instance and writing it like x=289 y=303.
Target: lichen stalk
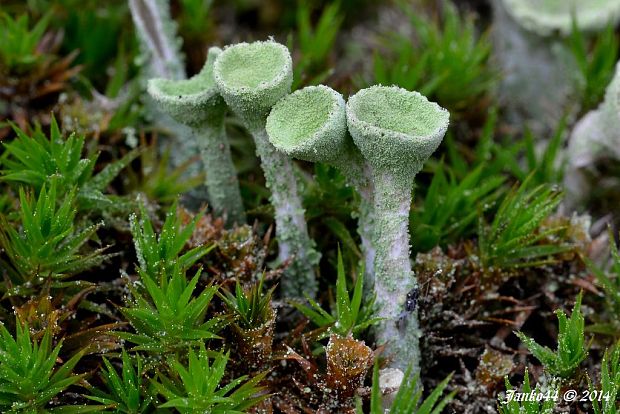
x=396 y=131
x=196 y=104
x=593 y=138
x=358 y=174
x=530 y=64
x=221 y=175
x=394 y=276
x=310 y=124
x=294 y=242
x=530 y=46
x=252 y=77
x=161 y=57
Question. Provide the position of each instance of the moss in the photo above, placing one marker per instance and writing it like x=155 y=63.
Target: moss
x=546 y=17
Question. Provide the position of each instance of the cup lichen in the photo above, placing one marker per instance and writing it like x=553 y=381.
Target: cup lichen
x=546 y=17
x=195 y=102
x=396 y=131
x=310 y=124
x=252 y=77
x=161 y=57
x=530 y=47
x=594 y=137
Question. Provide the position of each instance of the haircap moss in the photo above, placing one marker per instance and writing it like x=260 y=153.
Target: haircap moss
x=192 y=101
x=395 y=128
x=252 y=77
x=309 y=124
x=546 y=17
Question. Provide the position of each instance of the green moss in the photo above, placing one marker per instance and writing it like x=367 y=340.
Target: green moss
x=254 y=65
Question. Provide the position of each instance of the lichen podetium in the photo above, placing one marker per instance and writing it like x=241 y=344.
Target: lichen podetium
x=594 y=138
x=396 y=131
x=310 y=124
x=252 y=77
x=195 y=102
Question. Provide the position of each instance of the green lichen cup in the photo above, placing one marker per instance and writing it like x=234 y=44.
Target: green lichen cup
x=309 y=124
x=394 y=128
x=194 y=101
x=252 y=77
x=546 y=17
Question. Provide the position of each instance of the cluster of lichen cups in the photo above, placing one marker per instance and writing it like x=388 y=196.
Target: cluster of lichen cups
x=379 y=140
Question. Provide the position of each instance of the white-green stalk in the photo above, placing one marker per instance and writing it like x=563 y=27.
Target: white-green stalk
x=161 y=57
x=195 y=102
x=396 y=131
x=159 y=44
x=595 y=137
x=539 y=71
x=310 y=124
x=252 y=77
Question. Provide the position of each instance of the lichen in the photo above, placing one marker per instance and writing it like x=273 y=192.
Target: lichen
x=310 y=124
x=396 y=131
x=531 y=63
x=546 y=17
x=252 y=77
x=395 y=128
x=195 y=102
x=594 y=137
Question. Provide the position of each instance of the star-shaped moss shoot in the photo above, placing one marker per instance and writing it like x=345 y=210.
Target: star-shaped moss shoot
x=195 y=102
x=594 y=138
x=549 y=16
x=396 y=131
x=310 y=124
x=252 y=77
